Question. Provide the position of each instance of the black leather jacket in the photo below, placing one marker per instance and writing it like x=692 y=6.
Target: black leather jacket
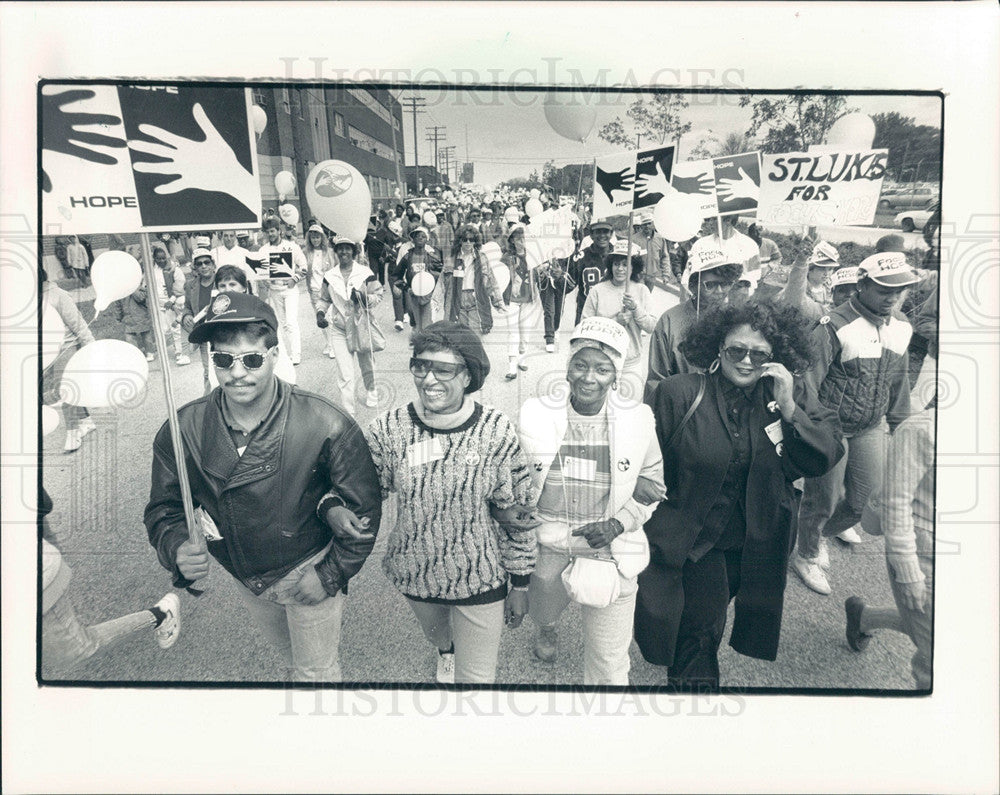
x=264 y=502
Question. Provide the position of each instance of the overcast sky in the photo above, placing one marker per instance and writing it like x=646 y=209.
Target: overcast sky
x=506 y=134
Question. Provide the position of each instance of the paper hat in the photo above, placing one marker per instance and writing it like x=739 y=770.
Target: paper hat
x=825 y=255
x=602 y=333
x=419 y=229
x=315 y=228
x=232 y=308
x=643 y=216
x=203 y=241
x=201 y=252
x=844 y=276
x=889 y=269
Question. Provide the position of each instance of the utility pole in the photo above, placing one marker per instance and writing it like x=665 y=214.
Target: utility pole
x=449 y=159
x=415 y=103
x=434 y=135
x=395 y=154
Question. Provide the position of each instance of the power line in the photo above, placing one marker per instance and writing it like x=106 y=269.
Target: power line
x=415 y=103
x=434 y=135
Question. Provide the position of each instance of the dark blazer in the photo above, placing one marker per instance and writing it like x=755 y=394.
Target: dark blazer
x=694 y=467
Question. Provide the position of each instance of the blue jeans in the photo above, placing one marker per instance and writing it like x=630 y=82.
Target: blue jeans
x=833 y=502
x=306 y=636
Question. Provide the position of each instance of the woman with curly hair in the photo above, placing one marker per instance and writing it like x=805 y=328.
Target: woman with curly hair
x=733 y=439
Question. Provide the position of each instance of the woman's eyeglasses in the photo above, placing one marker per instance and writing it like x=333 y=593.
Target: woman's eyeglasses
x=737 y=353
x=251 y=361
x=469 y=240
x=443 y=371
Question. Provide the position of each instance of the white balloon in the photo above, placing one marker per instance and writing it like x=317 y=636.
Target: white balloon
x=492 y=252
x=422 y=284
x=259 y=118
x=512 y=215
x=853 y=131
x=570 y=116
x=284 y=183
x=502 y=274
x=533 y=207
x=339 y=196
x=104 y=374
x=534 y=193
x=677 y=216
x=53 y=334
x=115 y=274
x=289 y=213
x=50 y=420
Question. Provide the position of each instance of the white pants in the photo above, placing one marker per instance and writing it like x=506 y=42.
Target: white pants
x=345 y=367
x=523 y=320
x=285 y=302
x=474 y=629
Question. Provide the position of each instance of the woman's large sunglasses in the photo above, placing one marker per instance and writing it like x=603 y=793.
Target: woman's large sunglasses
x=737 y=353
x=443 y=371
x=251 y=361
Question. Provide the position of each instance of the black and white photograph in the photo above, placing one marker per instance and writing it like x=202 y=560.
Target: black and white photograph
x=527 y=391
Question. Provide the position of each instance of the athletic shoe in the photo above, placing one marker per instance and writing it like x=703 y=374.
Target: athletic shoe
x=510 y=376
x=182 y=360
x=522 y=366
x=331 y=353
x=150 y=357
x=74 y=438
x=823 y=559
x=86 y=426
x=446 y=668
x=297 y=361
x=546 y=644
x=170 y=628
x=851 y=536
x=399 y=325
x=811 y=574
x=856 y=639
x=550 y=348
x=371 y=399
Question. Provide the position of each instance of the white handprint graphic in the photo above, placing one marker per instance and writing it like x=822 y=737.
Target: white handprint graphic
x=209 y=165
x=742 y=188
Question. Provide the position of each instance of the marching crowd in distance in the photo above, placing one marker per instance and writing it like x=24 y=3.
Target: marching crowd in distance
x=774 y=411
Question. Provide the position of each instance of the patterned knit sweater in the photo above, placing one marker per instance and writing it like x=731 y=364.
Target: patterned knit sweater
x=445 y=546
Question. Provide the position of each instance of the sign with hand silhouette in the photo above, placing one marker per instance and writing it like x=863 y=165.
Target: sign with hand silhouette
x=629 y=181
x=147 y=157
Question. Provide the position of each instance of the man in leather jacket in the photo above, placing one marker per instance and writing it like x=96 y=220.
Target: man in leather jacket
x=260 y=453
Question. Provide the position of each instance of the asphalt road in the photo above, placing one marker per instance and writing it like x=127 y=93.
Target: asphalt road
x=100 y=492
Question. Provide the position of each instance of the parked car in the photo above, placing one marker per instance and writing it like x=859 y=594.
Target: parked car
x=908 y=220
x=909 y=198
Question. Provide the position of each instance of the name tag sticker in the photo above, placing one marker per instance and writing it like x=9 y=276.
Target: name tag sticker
x=426 y=452
x=579 y=468
x=459 y=273
x=774 y=432
x=208 y=527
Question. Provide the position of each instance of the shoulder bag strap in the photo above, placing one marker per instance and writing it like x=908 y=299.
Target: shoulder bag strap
x=687 y=416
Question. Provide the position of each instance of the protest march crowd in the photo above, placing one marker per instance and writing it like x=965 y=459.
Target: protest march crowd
x=681 y=462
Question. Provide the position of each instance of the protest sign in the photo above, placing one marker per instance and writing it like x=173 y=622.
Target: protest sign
x=280 y=265
x=813 y=188
x=631 y=180
x=147 y=157
x=697 y=178
x=737 y=182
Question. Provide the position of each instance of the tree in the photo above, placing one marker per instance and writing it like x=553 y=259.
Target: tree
x=913 y=149
x=566 y=179
x=791 y=122
x=710 y=146
x=655 y=118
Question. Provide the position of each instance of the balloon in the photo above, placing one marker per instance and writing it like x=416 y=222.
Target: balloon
x=853 y=131
x=502 y=275
x=340 y=198
x=289 y=213
x=570 y=116
x=533 y=207
x=492 y=252
x=677 y=216
x=422 y=284
x=104 y=374
x=284 y=183
x=259 y=118
x=53 y=333
x=534 y=193
x=512 y=215
x=430 y=219
x=115 y=274
x=50 y=420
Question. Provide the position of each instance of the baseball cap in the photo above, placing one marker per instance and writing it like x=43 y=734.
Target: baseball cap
x=419 y=229
x=201 y=252
x=228 y=308
x=595 y=225
x=340 y=240
x=889 y=269
x=315 y=228
x=843 y=276
x=603 y=333
x=825 y=255
x=643 y=216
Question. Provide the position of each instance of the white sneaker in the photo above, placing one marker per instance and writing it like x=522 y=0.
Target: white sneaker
x=446 y=668
x=371 y=399
x=399 y=325
x=550 y=348
x=86 y=426
x=74 y=438
x=170 y=628
x=851 y=536
x=182 y=360
x=823 y=558
x=296 y=360
x=811 y=574
x=150 y=357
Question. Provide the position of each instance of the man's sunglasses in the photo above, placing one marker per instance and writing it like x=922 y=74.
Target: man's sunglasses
x=250 y=361
x=443 y=371
x=737 y=353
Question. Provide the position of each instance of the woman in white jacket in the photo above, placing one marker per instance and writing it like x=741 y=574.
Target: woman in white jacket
x=344 y=286
x=597 y=465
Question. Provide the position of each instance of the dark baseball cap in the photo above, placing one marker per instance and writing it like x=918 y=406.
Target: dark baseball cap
x=230 y=308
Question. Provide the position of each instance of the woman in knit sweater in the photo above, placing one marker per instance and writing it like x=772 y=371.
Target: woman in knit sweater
x=455 y=465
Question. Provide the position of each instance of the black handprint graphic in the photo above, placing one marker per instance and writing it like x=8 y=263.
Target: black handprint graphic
x=59 y=135
x=701 y=184
x=615 y=180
